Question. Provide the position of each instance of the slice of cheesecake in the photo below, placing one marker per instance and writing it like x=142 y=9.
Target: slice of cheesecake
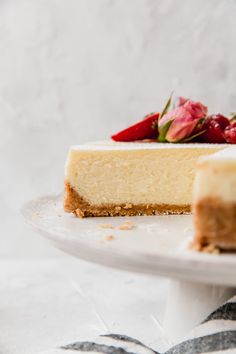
x=113 y=178
x=214 y=201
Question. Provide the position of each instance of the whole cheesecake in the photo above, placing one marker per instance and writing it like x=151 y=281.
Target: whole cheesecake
x=214 y=201
x=136 y=178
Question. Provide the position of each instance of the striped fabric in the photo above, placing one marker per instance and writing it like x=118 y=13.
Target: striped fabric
x=217 y=334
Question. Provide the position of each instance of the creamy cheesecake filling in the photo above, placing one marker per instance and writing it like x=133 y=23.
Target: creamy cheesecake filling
x=135 y=173
x=216 y=176
x=135 y=176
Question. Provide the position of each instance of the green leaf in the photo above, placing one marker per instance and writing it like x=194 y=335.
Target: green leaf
x=163 y=131
x=155 y=125
x=193 y=136
x=201 y=121
x=167 y=106
x=233 y=117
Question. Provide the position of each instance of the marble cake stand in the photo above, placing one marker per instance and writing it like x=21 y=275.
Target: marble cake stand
x=156 y=245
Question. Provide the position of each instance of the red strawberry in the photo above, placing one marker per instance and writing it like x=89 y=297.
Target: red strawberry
x=214 y=127
x=145 y=129
x=230 y=133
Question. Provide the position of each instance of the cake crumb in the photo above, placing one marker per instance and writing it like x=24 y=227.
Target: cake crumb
x=194 y=246
x=109 y=238
x=117 y=208
x=128 y=225
x=210 y=249
x=36 y=215
x=79 y=213
x=128 y=206
x=106 y=226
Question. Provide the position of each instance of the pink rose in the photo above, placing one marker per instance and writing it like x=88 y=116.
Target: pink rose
x=180 y=123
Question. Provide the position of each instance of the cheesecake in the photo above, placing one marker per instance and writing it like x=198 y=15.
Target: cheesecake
x=135 y=178
x=214 y=201
x=147 y=168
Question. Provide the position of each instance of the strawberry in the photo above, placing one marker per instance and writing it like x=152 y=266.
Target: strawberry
x=145 y=129
x=213 y=128
x=230 y=133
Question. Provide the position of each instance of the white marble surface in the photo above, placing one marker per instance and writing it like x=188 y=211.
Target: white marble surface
x=78 y=70
x=45 y=304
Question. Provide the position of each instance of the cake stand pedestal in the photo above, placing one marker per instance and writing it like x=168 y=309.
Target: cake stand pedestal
x=156 y=245
x=188 y=304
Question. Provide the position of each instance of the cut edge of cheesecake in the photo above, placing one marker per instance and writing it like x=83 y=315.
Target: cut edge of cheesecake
x=74 y=203
x=214 y=202
x=215 y=225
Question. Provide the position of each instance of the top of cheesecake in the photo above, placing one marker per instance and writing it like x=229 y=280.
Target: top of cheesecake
x=226 y=155
x=108 y=145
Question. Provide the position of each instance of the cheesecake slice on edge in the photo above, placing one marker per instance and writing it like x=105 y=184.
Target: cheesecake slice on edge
x=214 y=201
x=124 y=179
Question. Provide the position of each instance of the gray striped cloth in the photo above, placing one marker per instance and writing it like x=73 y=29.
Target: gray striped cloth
x=217 y=334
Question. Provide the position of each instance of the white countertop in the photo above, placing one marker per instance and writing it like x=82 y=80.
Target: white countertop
x=47 y=303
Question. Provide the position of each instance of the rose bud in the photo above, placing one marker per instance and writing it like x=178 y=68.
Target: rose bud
x=181 y=101
x=179 y=124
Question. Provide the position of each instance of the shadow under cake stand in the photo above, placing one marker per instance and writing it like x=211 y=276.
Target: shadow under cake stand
x=156 y=245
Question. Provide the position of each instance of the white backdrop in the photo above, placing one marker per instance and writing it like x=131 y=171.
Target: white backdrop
x=77 y=70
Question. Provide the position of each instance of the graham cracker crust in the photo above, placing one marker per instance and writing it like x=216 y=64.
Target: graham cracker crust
x=76 y=204
x=215 y=224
